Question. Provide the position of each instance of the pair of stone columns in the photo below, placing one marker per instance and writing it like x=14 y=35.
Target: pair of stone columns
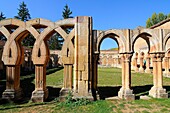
x=157 y=91
x=13 y=90
x=166 y=66
x=141 y=69
x=125 y=91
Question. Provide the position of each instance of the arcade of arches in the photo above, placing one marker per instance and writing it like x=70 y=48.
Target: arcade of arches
x=80 y=55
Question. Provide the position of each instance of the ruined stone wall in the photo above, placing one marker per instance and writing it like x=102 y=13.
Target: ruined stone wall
x=109 y=58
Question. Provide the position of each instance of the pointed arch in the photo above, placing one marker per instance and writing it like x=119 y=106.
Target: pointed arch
x=165 y=41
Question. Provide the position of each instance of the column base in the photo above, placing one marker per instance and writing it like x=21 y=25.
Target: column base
x=39 y=95
x=141 y=70
x=11 y=94
x=136 y=69
x=88 y=96
x=132 y=68
x=158 y=92
x=126 y=94
x=64 y=92
x=166 y=74
x=147 y=71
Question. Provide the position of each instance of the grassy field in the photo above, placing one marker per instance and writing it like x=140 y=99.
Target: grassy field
x=109 y=83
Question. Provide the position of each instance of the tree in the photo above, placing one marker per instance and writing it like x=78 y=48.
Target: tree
x=23 y=12
x=66 y=12
x=156 y=18
x=2 y=16
x=161 y=17
x=148 y=23
x=56 y=41
x=168 y=16
x=24 y=15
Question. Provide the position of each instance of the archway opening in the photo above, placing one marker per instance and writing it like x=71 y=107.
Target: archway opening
x=141 y=65
x=60 y=50
x=3 y=40
x=109 y=64
x=25 y=42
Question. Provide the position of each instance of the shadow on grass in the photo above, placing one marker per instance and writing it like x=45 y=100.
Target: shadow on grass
x=108 y=91
x=111 y=91
x=50 y=71
x=53 y=93
x=28 y=87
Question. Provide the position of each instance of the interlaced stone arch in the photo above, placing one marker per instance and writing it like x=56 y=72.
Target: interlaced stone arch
x=81 y=49
x=165 y=40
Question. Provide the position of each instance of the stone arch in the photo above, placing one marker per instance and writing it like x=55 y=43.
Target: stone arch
x=50 y=30
x=167 y=53
x=12 y=22
x=66 y=22
x=165 y=41
x=115 y=35
x=146 y=35
x=40 y=22
x=4 y=31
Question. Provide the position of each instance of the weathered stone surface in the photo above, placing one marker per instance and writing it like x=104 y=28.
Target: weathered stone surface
x=11 y=94
x=39 y=95
x=81 y=50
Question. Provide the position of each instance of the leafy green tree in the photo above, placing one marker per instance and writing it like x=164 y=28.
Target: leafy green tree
x=56 y=41
x=148 y=23
x=23 y=12
x=156 y=18
x=24 y=15
x=161 y=17
x=168 y=16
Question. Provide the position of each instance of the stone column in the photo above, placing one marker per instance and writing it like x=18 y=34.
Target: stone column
x=125 y=91
x=83 y=58
x=95 y=79
x=166 y=66
x=107 y=57
x=136 y=62
x=68 y=81
x=157 y=90
x=13 y=90
x=147 y=63
x=95 y=76
x=141 y=69
x=41 y=92
x=68 y=72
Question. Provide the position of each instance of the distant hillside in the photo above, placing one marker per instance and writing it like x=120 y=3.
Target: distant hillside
x=113 y=49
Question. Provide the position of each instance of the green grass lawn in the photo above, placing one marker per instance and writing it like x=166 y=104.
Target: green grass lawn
x=108 y=78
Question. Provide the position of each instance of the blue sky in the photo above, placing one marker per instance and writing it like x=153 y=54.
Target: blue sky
x=107 y=14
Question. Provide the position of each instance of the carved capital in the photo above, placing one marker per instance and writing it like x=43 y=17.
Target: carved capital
x=153 y=56
x=166 y=59
x=147 y=56
x=126 y=57
x=160 y=56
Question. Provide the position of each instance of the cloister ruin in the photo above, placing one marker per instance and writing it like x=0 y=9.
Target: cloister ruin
x=80 y=55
